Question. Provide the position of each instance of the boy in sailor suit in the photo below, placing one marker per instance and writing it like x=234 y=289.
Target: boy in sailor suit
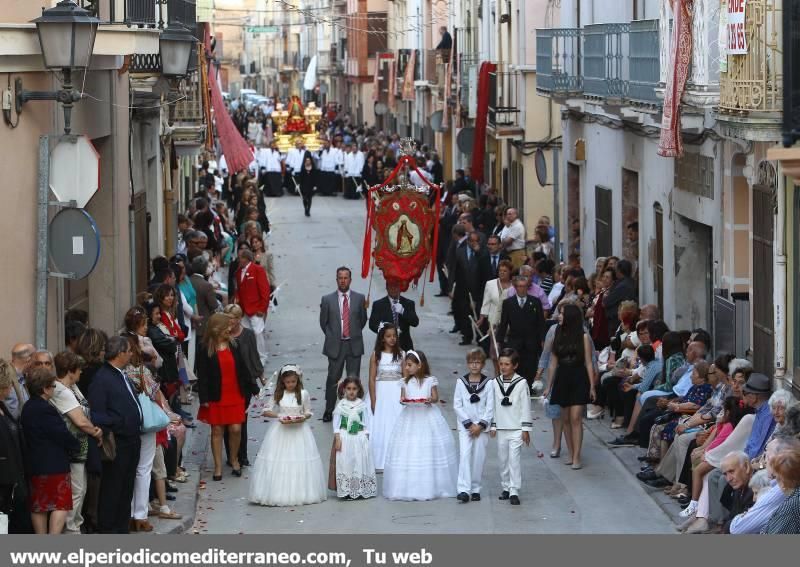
x=474 y=407
x=512 y=422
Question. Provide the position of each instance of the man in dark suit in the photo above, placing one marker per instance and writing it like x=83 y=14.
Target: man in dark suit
x=471 y=272
x=457 y=243
x=116 y=409
x=522 y=327
x=399 y=311
x=494 y=247
x=447 y=221
x=207 y=303
x=342 y=316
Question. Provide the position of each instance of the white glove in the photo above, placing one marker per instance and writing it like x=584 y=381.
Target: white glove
x=398 y=308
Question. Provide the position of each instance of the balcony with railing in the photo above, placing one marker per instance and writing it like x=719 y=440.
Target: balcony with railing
x=616 y=63
x=189 y=107
x=128 y=12
x=182 y=12
x=751 y=89
x=505 y=90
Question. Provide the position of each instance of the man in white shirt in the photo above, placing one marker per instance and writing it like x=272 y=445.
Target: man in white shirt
x=338 y=153
x=327 y=166
x=294 y=162
x=270 y=162
x=353 y=164
x=513 y=237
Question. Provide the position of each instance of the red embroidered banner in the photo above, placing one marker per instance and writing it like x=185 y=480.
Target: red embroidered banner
x=408 y=78
x=481 y=117
x=670 y=143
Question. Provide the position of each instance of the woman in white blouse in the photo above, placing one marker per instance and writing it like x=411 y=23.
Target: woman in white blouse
x=495 y=292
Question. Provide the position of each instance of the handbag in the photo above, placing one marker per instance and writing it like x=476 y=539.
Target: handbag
x=153 y=417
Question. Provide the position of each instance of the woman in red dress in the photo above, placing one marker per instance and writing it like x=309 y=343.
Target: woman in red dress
x=222 y=382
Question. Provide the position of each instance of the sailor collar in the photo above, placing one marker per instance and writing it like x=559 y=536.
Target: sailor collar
x=475 y=389
x=506 y=392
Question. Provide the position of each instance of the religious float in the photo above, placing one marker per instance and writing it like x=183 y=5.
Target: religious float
x=297 y=122
x=404 y=218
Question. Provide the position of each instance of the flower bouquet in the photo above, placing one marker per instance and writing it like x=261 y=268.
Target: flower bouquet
x=414 y=401
x=286 y=419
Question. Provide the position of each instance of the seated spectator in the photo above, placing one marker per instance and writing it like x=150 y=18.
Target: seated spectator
x=47 y=449
x=770 y=498
x=786 y=468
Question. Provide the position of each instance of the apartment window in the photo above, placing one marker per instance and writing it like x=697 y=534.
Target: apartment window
x=603 y=221
x=695 y=174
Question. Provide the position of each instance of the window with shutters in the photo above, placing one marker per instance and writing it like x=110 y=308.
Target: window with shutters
x=695 y=174
x=603 y=222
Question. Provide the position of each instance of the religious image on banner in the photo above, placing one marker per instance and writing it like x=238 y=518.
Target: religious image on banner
x=408 y=77
x=403 y=218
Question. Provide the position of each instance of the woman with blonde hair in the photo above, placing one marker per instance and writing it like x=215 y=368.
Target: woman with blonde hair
x=222 y=386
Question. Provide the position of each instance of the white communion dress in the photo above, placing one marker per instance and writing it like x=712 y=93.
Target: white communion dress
x=288 y=470
x=388 y=380
x=355 y=473
x=421 y=461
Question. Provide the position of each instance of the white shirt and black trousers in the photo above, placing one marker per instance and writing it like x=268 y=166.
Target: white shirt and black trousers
x=270 y=160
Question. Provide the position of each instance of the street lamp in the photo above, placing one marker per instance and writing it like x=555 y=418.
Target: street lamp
x=175 y=46
x=66 y=36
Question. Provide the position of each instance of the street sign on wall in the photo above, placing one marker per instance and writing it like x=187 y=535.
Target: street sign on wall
x=262 y=29
x=74 y=242
x=74 y=170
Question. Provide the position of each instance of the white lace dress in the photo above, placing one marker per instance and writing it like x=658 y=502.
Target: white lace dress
x=355 y=473
x=421 y=461
x=388 y=380
x=288 y=470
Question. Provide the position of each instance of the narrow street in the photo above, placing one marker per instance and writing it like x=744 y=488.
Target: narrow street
x=602 y=498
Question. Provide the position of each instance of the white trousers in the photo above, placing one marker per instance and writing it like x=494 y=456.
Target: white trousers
x=141 y=486
x=77 y=476
x=470 y=465
x=509 y=452
x=259 y=327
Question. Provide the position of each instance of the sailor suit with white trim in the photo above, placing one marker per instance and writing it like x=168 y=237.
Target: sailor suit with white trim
x=473 y=404
x=512 y=416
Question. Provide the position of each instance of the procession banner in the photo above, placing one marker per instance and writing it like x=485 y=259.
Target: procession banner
x=393 y=85
x=387 y=550
x=408 y=78
x=737 y=31
x=376 y=92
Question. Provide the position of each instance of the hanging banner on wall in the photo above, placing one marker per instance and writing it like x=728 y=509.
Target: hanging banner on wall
x=737 y=32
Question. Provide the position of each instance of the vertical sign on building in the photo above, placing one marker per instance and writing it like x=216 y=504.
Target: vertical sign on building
x=737 y=33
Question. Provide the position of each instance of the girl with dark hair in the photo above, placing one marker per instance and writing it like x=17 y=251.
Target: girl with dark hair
x=571 y=377
x=672 y=355
x=383 y=398
x=288 y=470
x=421 y=460
x=354 y=470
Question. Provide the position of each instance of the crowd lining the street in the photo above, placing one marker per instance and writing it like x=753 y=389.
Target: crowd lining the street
x=93 y=436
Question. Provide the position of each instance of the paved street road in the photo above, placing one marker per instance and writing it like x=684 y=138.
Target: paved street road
x=602 y=498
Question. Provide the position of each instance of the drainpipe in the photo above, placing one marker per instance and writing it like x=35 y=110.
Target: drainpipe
x=131 y=205
x=779 y=288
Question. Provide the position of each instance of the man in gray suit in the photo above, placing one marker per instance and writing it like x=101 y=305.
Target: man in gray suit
x=342 y=315
x=207 y=303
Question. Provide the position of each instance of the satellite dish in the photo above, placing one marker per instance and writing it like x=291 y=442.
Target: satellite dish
x=74 y=242
x=465 y=140
x=541 y=167
x=380 y=108
x=436 y=121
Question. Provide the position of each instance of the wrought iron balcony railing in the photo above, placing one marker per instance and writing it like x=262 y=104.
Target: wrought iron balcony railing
x=182 y=12
x=617 y=62
x=753 y=82
x=190 y=107
x=504 y=110
x=129 y=12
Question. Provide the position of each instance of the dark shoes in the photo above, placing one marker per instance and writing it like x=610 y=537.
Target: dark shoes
x=625 y=441
x=659 y=482
x=476 y=497
x=327 y=417
x=237 y=472
x=514 y=500
x=465 y=342
x=244 y=462
x=647 y=474
x=463 y=497
x=171 y=488
x=454 y=330
x=442 y=294
x=504 y=495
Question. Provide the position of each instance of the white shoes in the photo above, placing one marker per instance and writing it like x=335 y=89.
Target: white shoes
x=597 y=413
x=690 y=510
